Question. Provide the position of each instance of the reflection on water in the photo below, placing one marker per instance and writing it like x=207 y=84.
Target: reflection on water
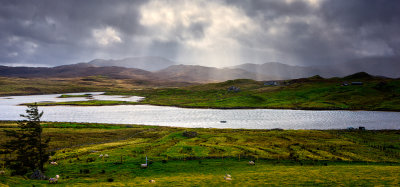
x=181 y=117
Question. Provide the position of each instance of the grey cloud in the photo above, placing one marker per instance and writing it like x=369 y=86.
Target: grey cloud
x=62 y=29
x=59 y=32
x=344 y=25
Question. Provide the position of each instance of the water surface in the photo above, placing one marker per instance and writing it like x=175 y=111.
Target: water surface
x=204 y=118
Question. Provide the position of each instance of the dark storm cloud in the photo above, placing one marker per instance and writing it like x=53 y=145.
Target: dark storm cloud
x=53 y=32
x=59 y=31
x=370 y=20
x=337 y=30
x=270 y=9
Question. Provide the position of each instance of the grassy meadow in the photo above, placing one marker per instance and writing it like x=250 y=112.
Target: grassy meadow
x=313 y=93
x=10 y=86
x=282 y=157
x=310 y=93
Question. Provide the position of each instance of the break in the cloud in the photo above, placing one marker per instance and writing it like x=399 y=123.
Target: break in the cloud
x=213 y=33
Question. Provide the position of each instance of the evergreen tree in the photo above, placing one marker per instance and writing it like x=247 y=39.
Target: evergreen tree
x=26 y=147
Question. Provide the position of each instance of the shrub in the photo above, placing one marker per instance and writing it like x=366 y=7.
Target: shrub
x=90 y=160
x=190 y=134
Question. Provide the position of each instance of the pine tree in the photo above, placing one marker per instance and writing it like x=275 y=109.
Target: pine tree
x=26 y=147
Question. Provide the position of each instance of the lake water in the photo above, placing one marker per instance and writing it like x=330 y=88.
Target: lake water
x=203 y=118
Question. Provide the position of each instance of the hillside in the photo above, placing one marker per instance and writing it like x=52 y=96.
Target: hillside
x=164 y=70
x=379 y=66
x=375 y=93
x=175 y=73
x=192 y=73
x=279 y=70
x=74 y=70
x=148 y=63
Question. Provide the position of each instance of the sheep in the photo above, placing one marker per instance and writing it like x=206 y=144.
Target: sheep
x=53 y=163
x=106 y=155
x=251 y=162
x=152 y=181
x=54 y=180
x=227 y=175
x=2 y=172
x=101 y=155
x=227 y=178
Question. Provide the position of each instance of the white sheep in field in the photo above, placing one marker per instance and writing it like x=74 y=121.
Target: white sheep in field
x=227 y=178
x=101 y=155
x=53 y=163
x=152 y=181
x=54 y=180
x=2 y=172
x=227 y=175
x=105 y=155
x=251 y=162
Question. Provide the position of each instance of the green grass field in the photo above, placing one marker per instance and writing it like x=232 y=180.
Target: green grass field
x=311 y=93
x=283 y=157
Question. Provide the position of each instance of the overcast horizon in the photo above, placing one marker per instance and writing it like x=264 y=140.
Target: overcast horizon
x=214 y=33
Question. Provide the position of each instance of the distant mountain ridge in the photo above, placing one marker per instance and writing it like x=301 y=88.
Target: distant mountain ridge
x=379 y=66
x=148 y=63
x=279 y=70
x=195 y=73
x=74 y=70
x=168 y=71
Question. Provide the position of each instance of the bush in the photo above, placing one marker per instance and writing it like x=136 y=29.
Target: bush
x=90 y=160
x=190 y=134
x=85 y=171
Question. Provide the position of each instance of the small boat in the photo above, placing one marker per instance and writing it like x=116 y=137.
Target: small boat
x=222 y=121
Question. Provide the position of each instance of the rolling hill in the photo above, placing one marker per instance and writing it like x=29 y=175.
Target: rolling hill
x=74 y=70
x=279 y=70
x=193 y=73
x=148 y=63
x=161 y=69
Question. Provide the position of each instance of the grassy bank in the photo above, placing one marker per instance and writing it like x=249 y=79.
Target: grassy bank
x=311 y=93
x=84 y=103
x=69 y=96
x=283 y=157
x=28 y=86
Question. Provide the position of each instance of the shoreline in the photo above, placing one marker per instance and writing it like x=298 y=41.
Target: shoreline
x=194 y=107
x=211 y=107
x=177 y=127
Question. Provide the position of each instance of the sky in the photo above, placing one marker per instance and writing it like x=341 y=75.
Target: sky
x=205 y=32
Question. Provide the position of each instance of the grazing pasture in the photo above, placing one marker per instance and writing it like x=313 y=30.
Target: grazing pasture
x=281 y=157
